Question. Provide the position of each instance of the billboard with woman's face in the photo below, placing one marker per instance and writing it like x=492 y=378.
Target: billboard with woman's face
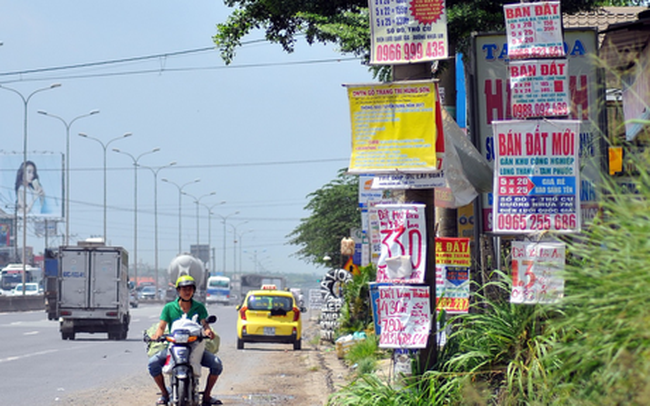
x=35 y=185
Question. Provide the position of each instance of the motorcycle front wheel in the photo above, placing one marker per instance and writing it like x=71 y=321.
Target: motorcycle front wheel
x=184 y=398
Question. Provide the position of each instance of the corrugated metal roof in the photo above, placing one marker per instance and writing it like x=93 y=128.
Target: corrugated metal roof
x=602 y=17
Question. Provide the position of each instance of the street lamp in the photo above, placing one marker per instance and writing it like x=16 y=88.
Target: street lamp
x=155 y=171
x=234 y=247
x=67 y=164
x=197 y=200
x=223 y=220
x=180 y=193
x=135 y=205
x=241 y=245
x=25 y=102
x=104 y=147
x=212 y=259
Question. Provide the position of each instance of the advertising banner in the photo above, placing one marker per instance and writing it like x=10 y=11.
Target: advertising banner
x=404 y=316
x=536 y=269
x=43 y=179
x=536 y=176
x=453 y=260
x=534 y=30
x=402 y=229
x=394 y=128
x=539 y=88
x=585 y=87
x=407 y=31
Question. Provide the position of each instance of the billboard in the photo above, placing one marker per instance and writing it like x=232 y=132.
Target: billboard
x=43 y=182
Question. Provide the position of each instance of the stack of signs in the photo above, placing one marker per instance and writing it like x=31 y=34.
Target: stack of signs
x=536 y=269
x=537 y=183
x=453 y=260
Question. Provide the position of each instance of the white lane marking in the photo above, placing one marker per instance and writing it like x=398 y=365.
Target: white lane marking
x=30 y=333
x=27 y=356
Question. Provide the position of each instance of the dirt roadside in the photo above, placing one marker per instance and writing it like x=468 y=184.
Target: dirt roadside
x=264 y=375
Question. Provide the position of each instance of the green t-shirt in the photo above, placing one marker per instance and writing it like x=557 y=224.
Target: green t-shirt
x=172 y=311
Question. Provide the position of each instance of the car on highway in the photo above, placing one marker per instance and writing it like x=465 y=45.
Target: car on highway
x=31 y=289
x=148 y=292
x=269 y=315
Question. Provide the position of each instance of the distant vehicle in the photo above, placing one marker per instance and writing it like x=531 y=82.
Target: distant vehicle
x=254 y=281
x=12 y=274
x=148 y=292
x=218 y=290
x=31 y=289
x=269 y=315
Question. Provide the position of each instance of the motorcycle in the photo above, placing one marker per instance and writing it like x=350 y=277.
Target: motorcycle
x=183 y=362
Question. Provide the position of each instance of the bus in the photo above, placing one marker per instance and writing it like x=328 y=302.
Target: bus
x=12 y=275
x=218 y=290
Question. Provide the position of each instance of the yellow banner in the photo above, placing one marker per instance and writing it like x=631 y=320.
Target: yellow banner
x=394 y=127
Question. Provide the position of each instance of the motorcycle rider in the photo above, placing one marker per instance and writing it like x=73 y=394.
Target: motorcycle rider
x=172 y=311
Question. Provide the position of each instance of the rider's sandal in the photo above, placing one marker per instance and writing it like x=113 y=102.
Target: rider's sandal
x=163 y=400
x=211 y=401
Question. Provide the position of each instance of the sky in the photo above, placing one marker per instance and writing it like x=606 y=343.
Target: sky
x=261 y=133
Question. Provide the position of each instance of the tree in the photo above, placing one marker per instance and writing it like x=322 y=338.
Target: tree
x=345 y=22
x=333 y=213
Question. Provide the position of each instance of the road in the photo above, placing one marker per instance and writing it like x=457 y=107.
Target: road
x=38 y=367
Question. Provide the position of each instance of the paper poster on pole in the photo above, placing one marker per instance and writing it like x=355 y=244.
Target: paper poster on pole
x=539 y=88
x=404 y=316
x=534 y=30
x=402 y=230
x=394 y=128
x=536 y=272
x=407 y=32
x=537 y=179
x=453 y=261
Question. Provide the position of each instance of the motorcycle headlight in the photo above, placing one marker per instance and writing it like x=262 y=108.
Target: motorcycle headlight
x=181 y=337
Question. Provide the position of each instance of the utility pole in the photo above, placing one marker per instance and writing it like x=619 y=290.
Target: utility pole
x=428 y=355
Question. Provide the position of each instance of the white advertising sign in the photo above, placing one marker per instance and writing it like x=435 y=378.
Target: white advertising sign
x=404 y=316
x=536 y=269
x=402 y=230
x=536 y=176
x=407 y=31
x=410 y=181
x=534 y=30
x=539 y=88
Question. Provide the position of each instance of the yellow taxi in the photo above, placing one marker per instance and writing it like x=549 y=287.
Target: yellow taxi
x=269 y=315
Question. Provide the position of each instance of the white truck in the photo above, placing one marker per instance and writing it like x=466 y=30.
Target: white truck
x=187 y=264
x=93 y=293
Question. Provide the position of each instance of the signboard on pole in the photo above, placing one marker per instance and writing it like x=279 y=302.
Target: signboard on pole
x=539 y=88
x=403 y=234
x=404 y=316
x=536 y=269
x=407 y=32
x=453 y=261
x=394 y=128
x=534 y=30
x=536 y=176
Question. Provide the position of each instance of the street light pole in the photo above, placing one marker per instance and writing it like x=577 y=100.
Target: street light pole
x=67 y=164
x=212 y=258
x=197 y=200
x=241 y=245
x=24 y=186
x=104 y=147
x=180 y=193
x=155 y=211
x=223 y=220
x=135 y=206
x=234 y=246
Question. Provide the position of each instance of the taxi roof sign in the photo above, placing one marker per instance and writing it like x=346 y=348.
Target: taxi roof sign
x=269 y=287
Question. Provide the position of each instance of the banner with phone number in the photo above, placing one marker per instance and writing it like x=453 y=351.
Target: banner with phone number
x=537 y=182
x=453 y=260
x=539 y=88
x=536 y=272
x=404 y=316
x=534 y=30
x=407 y=31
